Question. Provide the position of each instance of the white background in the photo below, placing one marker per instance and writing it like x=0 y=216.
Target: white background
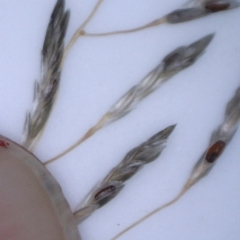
x=96 y=73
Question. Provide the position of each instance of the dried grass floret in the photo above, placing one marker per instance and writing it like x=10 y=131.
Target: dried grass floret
x=219 y=140
x=113 y=183
x=173 y=63
x=45 y=90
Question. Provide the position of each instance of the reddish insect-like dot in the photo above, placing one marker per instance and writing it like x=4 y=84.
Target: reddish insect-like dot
x=105 y=192
x=215 y=151
x=3 y=144
x=217 y=6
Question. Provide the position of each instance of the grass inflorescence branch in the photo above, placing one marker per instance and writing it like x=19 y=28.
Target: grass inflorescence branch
x=190 y=11
x=174 y=62
x=46 y=89
x=114 y=182
x=219 y=140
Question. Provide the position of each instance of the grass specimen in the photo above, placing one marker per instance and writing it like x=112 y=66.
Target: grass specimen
x=219 y=140
x=45 y=90
x=174 y=62
x=212 y=3
x=114 y=182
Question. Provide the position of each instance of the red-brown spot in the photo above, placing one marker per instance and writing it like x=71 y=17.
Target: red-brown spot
x=3 y=144
x=215 y=151
x=54 y=82
x=217 y=6
x=104 y=192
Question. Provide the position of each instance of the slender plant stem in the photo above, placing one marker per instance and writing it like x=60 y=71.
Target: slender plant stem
x=79 y=31
x=156 y=210
x=87 y=135
x=154 y=23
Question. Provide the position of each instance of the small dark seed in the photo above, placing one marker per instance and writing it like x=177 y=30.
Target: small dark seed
x=217 y=6
x=104 y=192
x=215 y=151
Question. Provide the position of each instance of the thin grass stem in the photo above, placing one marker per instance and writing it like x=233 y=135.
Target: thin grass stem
x=79 y=31
x=149 y=215
x=154 y=23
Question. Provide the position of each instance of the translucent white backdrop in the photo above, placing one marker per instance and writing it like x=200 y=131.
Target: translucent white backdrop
x=96 y=73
